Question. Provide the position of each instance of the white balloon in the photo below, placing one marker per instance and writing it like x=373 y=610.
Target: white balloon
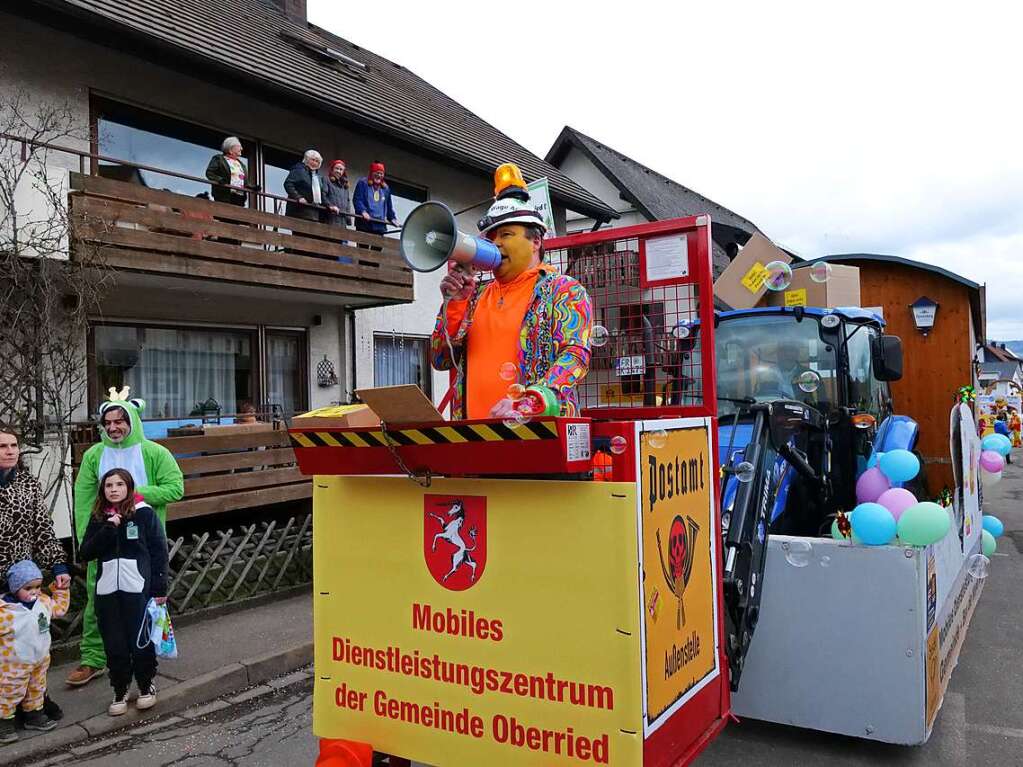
x=990 y=478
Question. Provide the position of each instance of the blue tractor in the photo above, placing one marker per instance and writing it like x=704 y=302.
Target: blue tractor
x=804 y=408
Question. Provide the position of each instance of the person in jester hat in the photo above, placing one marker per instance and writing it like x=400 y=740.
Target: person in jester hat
x=157 y=479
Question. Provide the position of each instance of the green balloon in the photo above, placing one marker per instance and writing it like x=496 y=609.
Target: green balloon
x=988 y=544
x=837 y=535
x=924 y=524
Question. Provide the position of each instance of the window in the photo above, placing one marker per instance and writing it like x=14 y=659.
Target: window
x=866 y=393
x=285 y=370
x=147 y=138
x=276 y=165
x=762 y=356
x=405 y=197
x=175 y=370
x=401 y=360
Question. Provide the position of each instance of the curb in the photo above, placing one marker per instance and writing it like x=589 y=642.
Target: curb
x=205 y=688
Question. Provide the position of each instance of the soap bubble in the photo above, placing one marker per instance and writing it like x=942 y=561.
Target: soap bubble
x=515 y=391
x=978 y=566
x=515 y=418
x=508 y=371
x=744 y=472
x=599 y=335
x=824 y=561
x=779 y=276
x=681 y=331
x=657 y=438
x=808 y=381
x=797 y=553
x=820 y=271
x=619 y=444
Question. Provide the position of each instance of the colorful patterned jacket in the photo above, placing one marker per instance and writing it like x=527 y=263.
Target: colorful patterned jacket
x=554 y=344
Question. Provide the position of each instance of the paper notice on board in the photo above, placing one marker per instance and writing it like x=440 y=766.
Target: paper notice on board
x=667 y=258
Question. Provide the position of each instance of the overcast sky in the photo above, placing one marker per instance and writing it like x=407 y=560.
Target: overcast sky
x=889 y=127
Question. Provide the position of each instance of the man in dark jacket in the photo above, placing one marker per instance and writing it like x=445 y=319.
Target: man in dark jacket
x=305 y=185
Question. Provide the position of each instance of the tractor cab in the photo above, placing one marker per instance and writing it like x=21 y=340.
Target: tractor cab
x=838 y=363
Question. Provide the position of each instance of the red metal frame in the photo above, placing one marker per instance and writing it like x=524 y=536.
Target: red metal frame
x=697 y=230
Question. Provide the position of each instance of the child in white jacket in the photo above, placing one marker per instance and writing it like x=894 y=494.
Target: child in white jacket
x=25 y=615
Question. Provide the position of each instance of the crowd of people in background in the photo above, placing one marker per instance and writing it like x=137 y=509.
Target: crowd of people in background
x=312 y=194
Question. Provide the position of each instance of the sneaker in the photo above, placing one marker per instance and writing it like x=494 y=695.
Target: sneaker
x=83 y=675
x=51 y=709
x=37 y=720
x=146 y=699
x=7 y=731
x=120 y=704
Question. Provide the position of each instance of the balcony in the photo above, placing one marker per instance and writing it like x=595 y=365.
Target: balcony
x=147 y=230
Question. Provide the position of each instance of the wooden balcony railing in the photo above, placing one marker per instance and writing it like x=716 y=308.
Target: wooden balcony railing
x=148 y=230
x=228 y=471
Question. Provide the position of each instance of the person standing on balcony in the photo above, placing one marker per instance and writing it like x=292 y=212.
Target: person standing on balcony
x=306 y=188
x=372 y=201
x=339 y=201
x=157 y=479
x=529 y=316
x=226 y=173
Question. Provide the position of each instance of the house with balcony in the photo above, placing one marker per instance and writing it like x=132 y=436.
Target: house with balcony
x=215 y=305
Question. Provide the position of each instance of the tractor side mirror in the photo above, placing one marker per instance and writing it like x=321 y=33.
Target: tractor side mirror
x=887 y=354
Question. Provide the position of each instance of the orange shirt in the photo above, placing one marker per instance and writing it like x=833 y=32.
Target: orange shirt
x=494 y=339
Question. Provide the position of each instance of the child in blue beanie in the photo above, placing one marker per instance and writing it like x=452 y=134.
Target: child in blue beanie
x=25 y=615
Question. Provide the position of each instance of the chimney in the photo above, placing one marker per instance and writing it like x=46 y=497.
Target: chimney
x=293 y=9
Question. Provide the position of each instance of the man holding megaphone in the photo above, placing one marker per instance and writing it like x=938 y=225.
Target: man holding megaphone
x=527 y=328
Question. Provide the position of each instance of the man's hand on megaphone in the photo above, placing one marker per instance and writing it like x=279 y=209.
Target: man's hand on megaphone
x=458 y=283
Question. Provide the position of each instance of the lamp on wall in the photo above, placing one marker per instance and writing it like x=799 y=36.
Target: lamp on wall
x=924 y=310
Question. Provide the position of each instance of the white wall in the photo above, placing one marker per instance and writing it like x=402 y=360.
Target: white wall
x=578 y=167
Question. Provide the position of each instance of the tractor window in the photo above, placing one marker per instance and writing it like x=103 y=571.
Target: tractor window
x=866 y=393
x=765 y=357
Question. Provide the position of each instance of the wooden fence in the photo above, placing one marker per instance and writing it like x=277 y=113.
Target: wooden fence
x=221 y=567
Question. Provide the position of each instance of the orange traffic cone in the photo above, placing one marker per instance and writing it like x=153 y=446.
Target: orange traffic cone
x=344 y=753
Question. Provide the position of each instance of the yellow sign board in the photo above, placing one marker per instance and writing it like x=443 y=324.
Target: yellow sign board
x=678 y=562
x=795 y=297
x=485 y=622
x=754 y=278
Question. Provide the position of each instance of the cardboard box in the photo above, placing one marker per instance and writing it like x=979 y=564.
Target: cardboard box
x=841 y=289
x=405 y=404
x=337 y=417
x=741 y=285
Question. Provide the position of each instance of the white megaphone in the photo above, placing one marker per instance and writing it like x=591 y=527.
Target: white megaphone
x=430 y=239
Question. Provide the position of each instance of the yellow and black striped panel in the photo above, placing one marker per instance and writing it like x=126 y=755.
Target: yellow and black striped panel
x=452 y=434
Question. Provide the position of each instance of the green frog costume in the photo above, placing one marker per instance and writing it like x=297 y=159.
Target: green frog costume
x=157 y=479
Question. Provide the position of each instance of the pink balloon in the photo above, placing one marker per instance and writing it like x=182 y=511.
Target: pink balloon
x=897 y=500
x=991 y=461
x=870 y=485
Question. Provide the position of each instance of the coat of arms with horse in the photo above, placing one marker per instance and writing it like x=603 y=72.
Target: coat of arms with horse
x=455 y=539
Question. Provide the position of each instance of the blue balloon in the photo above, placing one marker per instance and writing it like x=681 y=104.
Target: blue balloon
x=874 y=458
x=1005 y=445
x=997 y=442
x=899 y=465
x=873 y=524
x=993 y=525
